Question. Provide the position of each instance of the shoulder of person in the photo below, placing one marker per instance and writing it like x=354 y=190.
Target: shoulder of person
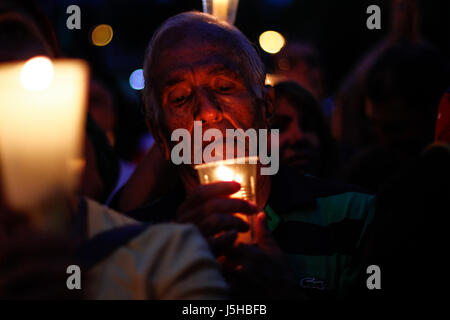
x=164 y=261
x=100 y=218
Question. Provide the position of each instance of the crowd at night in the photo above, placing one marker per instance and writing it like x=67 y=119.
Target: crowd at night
x=223 y=149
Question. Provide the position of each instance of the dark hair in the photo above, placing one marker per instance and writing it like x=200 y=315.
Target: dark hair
x=416 y=74
x=312 y=119
x=32 y=11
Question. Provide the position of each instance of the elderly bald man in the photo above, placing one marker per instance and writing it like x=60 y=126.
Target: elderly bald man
x=307 y=230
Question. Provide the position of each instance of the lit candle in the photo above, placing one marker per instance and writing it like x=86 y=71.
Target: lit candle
x=222 y=9
x=243 y=172
x=42 y=111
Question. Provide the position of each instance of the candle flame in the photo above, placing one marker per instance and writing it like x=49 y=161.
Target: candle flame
x=37 y=74
x=224 y=173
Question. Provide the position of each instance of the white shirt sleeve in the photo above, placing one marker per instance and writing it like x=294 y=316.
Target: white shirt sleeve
x=100 y=218
x=167 y=261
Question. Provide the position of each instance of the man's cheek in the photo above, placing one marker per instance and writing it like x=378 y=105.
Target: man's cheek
x=243 y=111
x=179 y=120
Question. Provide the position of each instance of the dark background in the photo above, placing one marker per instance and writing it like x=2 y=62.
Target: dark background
x=336 y=28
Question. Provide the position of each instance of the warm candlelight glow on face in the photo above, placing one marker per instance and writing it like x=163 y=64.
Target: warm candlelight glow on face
x=37 y=74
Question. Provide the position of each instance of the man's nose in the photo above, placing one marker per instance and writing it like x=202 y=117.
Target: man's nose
x=208 y=108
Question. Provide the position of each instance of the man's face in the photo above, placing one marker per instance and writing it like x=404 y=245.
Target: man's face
x=393 y=123
x=199 y=78
x=299 y=144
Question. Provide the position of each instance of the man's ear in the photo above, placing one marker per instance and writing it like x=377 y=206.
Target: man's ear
x=159 y=139
x=269 y=102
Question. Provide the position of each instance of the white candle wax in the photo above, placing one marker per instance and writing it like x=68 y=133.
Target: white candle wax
x=220 y=9
x=41 y=128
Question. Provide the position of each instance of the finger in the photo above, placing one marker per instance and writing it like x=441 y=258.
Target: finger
x=229 y=206
x=263 y=235
x=189 y=216
x=222 y=242
x=217 y=205
x=215 y=223
x=212 y=190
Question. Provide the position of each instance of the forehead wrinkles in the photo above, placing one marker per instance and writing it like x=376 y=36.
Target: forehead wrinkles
x=195 y=50
x=175 y=62
x=195 y=41
x=205 y=64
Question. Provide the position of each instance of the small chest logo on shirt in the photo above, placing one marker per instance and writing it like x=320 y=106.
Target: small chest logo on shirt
x=312 y=283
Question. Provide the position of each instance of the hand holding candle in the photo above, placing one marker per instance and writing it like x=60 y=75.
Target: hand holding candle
x=241 y=170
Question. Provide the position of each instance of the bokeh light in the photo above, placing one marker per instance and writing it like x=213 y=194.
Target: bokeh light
x=137 y=81
x=271 y=41
x=102 y=35
x=37 y=74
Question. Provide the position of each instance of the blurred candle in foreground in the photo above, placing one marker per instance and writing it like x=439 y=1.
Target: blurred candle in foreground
x=222 y=9
x=241 y=170
x=42 y=111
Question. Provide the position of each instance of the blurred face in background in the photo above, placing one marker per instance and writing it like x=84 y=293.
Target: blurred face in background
x=299 y=141
x=394 y=124
x=299 y=62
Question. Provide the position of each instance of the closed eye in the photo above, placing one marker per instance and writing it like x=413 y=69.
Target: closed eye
x=179 y=95
x=223 y=85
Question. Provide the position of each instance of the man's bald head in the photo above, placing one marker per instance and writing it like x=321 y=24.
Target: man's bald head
x=178 y=32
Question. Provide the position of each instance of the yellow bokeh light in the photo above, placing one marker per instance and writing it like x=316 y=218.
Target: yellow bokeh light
x=37 y=74
x=271 y=41
x=102 y=35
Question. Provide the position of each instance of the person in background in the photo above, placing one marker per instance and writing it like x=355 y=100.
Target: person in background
x=407 y=238
x=305 y=138
x=349 y=124
x=25 y=32
x=101 y=166
x=102 y=108
x=403 y=89
x=442 y=132
x=299 y=62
